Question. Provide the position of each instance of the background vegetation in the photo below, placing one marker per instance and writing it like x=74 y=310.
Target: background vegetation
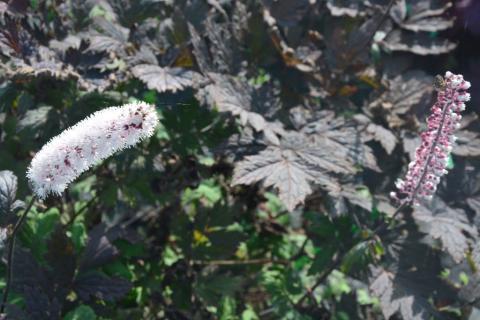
x=264 y=192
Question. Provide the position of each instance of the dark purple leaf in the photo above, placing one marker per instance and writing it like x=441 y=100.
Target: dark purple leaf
x=450 y=226
x=342 y=138
x=18 y=6
x=346 y=8
x=99 y=249
x=28 y=273
x=421 y=44
x=61 y=259
x=397 y=295
x=428 y=16
x=8 y=191
x=111 y=38
x=94 y=285
x=467 y=144
x=287 y=12
x=38 y=287
x=40 y=306
x=405 y=92
x=291 y=168
x=235 y=96
x=163 y=79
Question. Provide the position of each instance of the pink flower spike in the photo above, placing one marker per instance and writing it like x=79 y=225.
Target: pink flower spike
x=431 y=156
x=93 y=139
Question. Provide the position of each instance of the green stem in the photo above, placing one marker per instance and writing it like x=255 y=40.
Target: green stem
x=11 y=247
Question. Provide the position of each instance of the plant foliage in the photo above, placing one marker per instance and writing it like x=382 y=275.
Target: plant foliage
x=264 y=191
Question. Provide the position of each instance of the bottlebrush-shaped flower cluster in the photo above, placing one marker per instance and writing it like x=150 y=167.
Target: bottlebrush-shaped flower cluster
x=88 y=142
x=431 y=156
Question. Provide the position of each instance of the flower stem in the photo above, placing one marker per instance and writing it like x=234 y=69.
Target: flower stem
x=385 y=225
x=11 y=247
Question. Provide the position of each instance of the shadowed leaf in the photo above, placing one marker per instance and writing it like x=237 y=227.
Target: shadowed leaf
x=237 y=97
x=98 y=286
x=99 y=249
x=467 y=144
x=398 y=296
x=449 y=226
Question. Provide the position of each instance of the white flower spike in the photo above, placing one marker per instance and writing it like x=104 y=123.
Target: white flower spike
x=93 y=139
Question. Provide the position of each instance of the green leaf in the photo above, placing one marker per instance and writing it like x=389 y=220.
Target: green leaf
x=260 y=79
x=228 y=309
x=274 y=204
x=284 y=286
x=39 y=226
x=211 y=192
x=78 y=233
x=374 y=214
x=341 y=315
x=208 y=192
x=249 y=314
x=212 y=288
x=170 y=256
x=150 y=96
x=450 y=164
x=130 y=250
x=357 y=258
x=81 y=313
x=99 y=11
x=363 y=192
x=119 y=269
x=207 y=161
x=364 y=298
x=337 y=285
x=84 y=186
x=463 y=277
x=323 y=257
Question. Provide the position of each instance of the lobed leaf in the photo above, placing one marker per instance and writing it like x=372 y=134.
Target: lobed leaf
x=398 y=295
x=450 y=226
x=291 y=167
x=163 y=79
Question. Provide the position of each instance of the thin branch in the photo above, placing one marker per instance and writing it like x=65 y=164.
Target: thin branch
x=334 y=265
x=11 y=248
x=80 y=211
x=384 y=225
x=238 y=262
x=338 y=260
x=301 y=251
x=357 y=220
